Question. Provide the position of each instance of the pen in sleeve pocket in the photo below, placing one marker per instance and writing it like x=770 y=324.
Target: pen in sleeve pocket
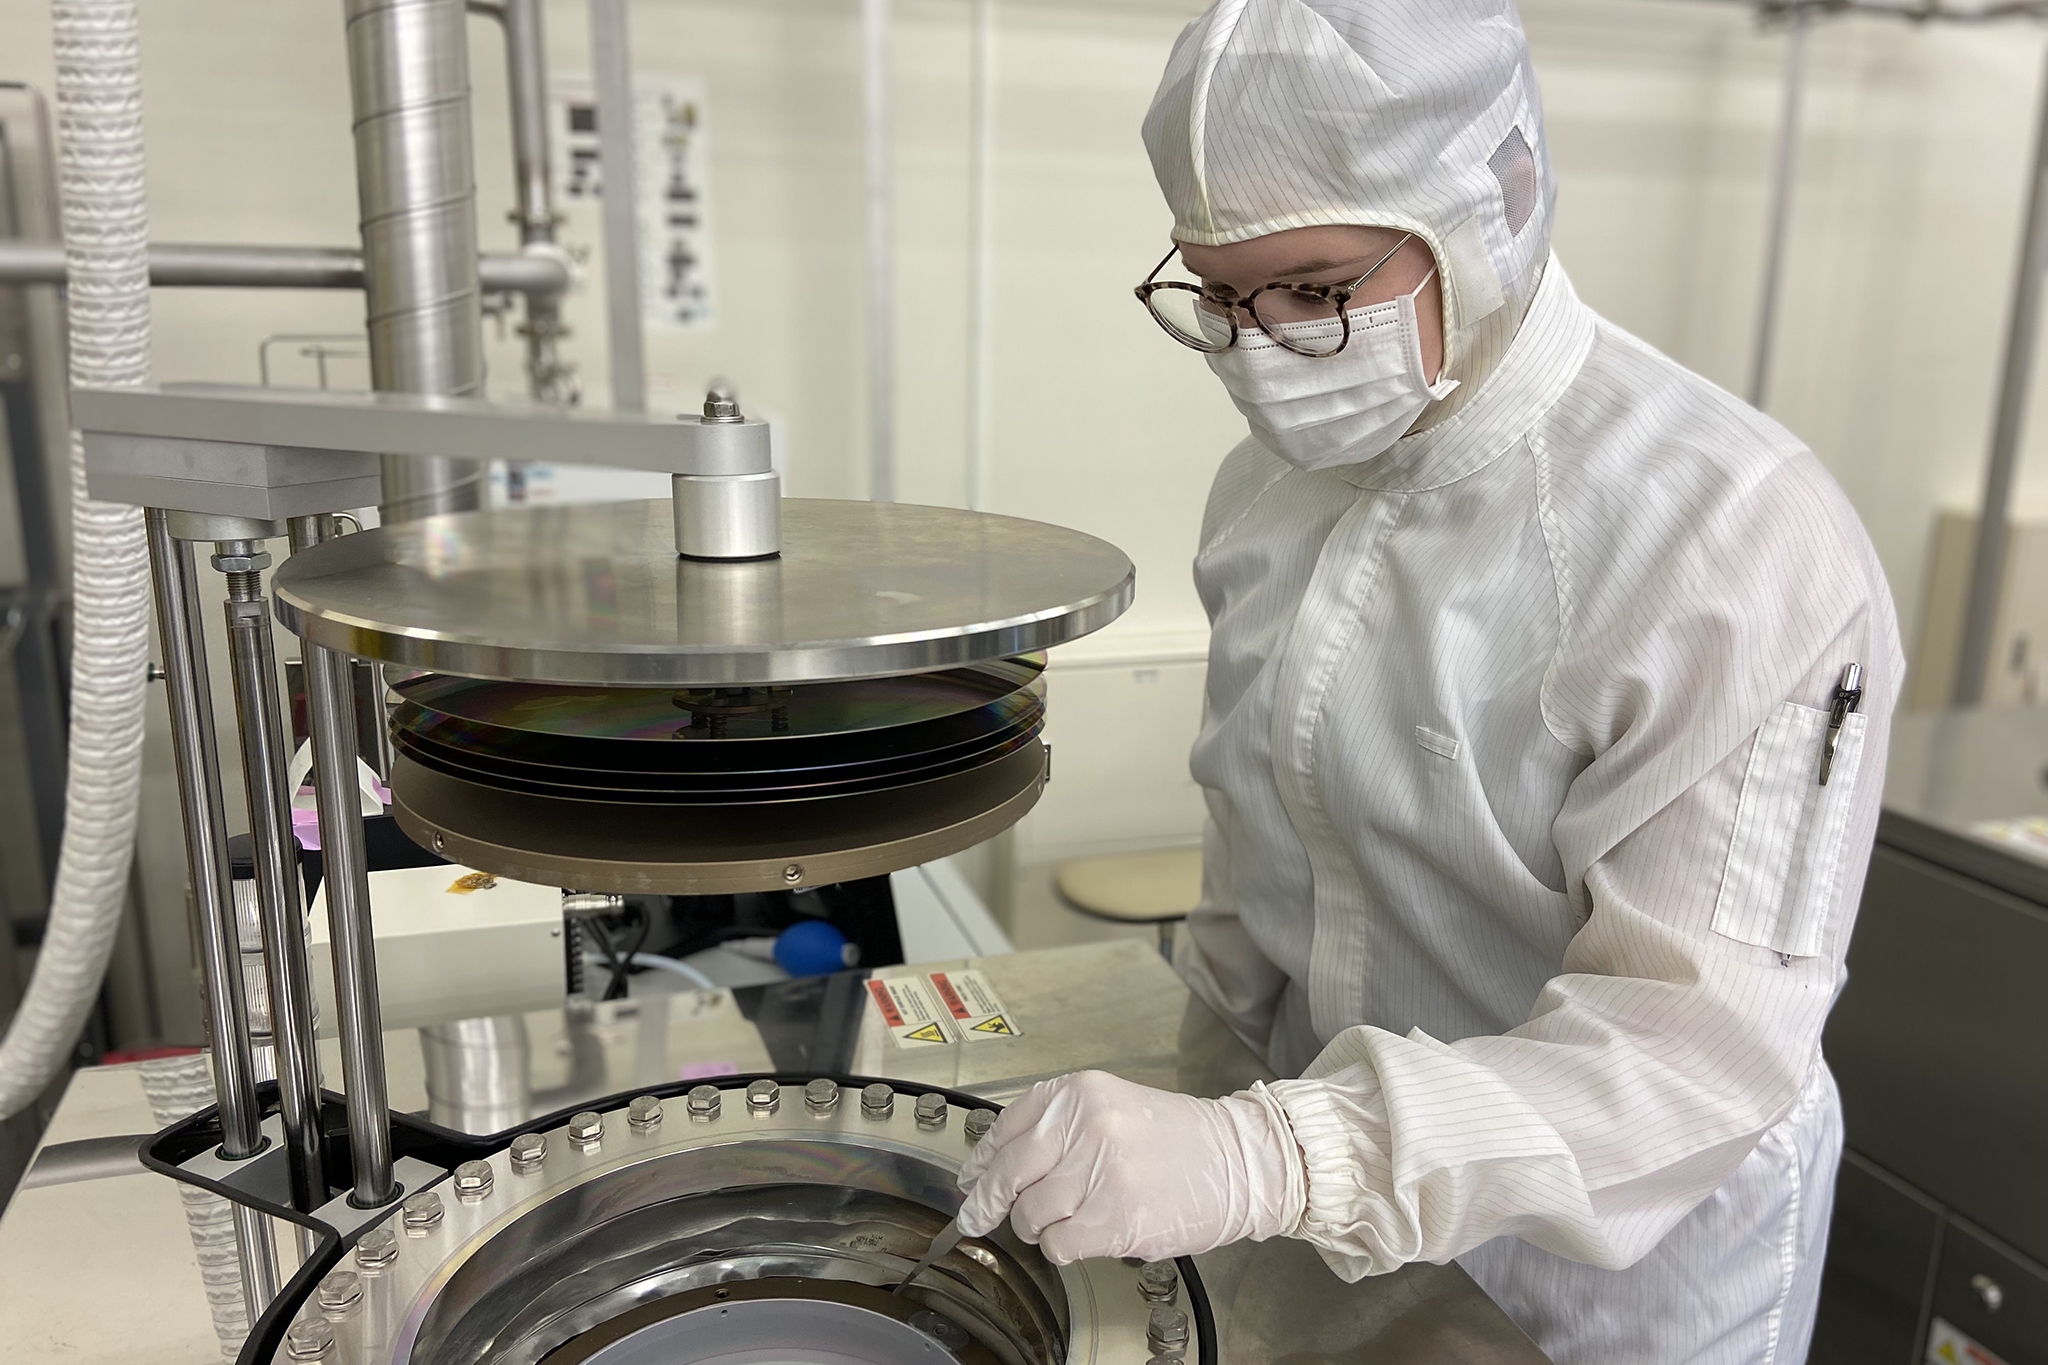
x=1848 y=696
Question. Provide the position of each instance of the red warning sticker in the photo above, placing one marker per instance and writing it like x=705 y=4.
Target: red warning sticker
x=976 y=1009
x=910 y=1011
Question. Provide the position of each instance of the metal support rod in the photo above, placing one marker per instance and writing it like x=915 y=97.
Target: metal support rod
x=881 y=252
x=196 y=761
x=331 y=719
x=261 y=717
x=227 y=266
x=611 y=62
x=1987 y=566
x=1781 y=205
x=526 y=86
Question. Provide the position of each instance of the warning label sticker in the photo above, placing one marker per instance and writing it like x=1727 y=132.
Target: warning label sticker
x=973 y=1005
x=1947 y=1346
x=911 y=1011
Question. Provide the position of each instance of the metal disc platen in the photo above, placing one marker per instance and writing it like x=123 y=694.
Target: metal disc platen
x=714 y=790
x=596 y=594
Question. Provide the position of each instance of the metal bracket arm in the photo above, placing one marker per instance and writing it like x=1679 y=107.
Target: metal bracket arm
x=278 y=453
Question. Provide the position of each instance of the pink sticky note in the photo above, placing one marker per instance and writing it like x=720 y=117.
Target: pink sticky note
x=704 y=1071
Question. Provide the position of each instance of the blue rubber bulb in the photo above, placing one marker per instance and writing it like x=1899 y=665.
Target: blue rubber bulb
x=811 y=948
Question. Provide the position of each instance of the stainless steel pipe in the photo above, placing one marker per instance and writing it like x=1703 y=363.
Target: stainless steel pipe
x=611 y=65
x=196 y=760
x=331 y=719
x=408 y=64
x=225 y=266
x=264 y=762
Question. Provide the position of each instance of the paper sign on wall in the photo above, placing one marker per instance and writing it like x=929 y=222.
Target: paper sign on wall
x=672 y=165
x=911 y=1011
x=1947 y=1346
x=973 y=1005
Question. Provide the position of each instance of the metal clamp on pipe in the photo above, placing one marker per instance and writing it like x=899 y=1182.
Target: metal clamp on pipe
x=730 y=516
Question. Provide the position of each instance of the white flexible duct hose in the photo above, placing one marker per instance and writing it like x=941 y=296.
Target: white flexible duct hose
x=106 y=237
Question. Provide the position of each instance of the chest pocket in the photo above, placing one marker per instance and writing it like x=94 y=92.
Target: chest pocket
x=1785 y=864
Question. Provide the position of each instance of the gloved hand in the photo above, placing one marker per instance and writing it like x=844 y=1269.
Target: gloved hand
x=1090 y=1165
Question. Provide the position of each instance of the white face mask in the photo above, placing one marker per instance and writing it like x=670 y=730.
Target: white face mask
x=1318 y=411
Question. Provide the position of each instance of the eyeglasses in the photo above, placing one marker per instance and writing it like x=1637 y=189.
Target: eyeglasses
x=1204 y=316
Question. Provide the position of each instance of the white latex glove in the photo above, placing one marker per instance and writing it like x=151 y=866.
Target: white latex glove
x=1090 y=1165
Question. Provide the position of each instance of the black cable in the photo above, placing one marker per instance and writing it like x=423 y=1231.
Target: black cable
x=604 y=944
x=617 y=990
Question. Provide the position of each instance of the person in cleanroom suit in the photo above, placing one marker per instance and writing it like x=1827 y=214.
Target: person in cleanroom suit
x=1530 y=651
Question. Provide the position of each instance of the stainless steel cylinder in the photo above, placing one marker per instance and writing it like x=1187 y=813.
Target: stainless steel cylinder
x=196 y=759
x=477 y=1073
x=735 y=516
x=331 y=719
x=416 y=182
x=261 y=716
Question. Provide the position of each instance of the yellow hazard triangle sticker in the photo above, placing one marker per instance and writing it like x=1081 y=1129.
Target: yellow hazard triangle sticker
x=930 y=1033
x=995 y=1023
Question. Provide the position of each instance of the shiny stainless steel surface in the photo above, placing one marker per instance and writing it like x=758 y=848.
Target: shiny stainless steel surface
x=331 y=719
x=226 y=265
x=262 y=729
x=713 y=850
x=728 y=518
x=196 y=760
x=556 y=1247
x=416 y=180
x=1116 y=1007
x=594 y=594
x=548 y=378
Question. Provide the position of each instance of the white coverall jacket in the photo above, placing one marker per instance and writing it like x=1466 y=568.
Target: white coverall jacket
x=1518 y=852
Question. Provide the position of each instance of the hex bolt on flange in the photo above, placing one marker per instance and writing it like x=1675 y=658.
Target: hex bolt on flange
x=309 y=1341
x=473 y=1180
x=528 y=1150
x=931 y=1111
x=340 y=1291
x=1159 y=1281
x=643 y=1113
x=821 y=1096
x=377 y=1248
x=978 y=1122
x=763 y=1098
x=878 y=1101
x=793 y=874
x=703 y=1103
x=422 y=1211
x=1167 y=1331
x=586 y=1128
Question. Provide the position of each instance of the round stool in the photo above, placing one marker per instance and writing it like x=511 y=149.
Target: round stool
x=1135 y=888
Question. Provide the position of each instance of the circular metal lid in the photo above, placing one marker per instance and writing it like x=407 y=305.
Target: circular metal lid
x=596 y=594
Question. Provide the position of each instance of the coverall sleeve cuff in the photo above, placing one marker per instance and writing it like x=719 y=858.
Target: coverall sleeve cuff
x=1350 y=1215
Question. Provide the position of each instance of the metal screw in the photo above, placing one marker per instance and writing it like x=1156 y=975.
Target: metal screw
x=643 y=1113
x=309 y=1341
x=440 y=842
x=931 y=1111
x=341 y=1291
x=821 y=1096
x=763 y=1097
x=878 y=1101
x=979 y=1121
x=155 y=673
x=1167 y=1330
x=704 y=1103
x=1989 y=1292
x=793 y=874
x=377 y=1248
x=421 y=1211
x=473 y=1180
x=1159 y=1282
x=528 y=1151
x=586 y=1128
